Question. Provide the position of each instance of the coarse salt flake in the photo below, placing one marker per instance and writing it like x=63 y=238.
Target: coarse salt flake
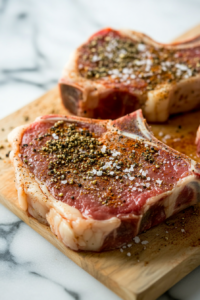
x=181 y=67
x=115 y=153
x=95 y=58
x=167 y=137
x=103 y=149
x=159 y=181
x=136 y=239
x=141 y=47
x=94 y=171
x=144 y=242
x=128 y=254
x=63 y=181
x=55 y=136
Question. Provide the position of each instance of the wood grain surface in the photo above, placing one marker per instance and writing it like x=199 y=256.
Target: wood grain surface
x=151 y=269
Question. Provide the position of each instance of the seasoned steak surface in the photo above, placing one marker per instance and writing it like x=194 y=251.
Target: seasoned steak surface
x=102 y=174
x=119 y=71
x=99 y=183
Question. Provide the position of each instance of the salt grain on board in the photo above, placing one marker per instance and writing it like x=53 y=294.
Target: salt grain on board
x=136 y=239
x=144 y=242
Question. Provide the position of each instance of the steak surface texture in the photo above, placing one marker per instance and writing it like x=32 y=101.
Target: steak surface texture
x=99 y=183
x=117 y=72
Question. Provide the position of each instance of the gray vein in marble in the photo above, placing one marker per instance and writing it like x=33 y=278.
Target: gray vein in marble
x=3 y=5
x=7 y=233
x=74 y=295
x=40 y=62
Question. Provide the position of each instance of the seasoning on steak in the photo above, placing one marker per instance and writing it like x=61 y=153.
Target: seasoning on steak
x=99 y=183
x=198 y=141
x=117 y=72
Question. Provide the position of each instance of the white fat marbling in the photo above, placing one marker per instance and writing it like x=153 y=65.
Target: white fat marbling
x=36 y=39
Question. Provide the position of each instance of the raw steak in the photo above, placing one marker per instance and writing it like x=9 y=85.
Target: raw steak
x=117 y=72
x=198 y=141
x=99 y=183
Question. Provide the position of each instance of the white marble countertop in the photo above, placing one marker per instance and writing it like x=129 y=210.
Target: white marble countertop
x=36 y=39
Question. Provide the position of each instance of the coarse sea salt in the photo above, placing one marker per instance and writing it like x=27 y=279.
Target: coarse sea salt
x=99 y=173
x=121 y=250
x=159 y=181
x=94 y=171
x=63 y=181
x=167 y=137
x=115 y=153
x=96 y=58
x=141 y=47
x=128 y=254
x=136 y=239
x=181 y=67
x=144 y=242
x=103 y=149
x=55 y=136
x=131 y=169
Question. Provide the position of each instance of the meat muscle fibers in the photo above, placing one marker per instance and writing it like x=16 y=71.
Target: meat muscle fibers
x=116 y=72
x=99 y=183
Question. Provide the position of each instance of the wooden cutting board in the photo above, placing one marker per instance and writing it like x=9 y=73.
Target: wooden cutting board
x=170 y=253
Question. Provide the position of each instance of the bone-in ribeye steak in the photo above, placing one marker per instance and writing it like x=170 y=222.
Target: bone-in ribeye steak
x=117 y=72
x=99 y=183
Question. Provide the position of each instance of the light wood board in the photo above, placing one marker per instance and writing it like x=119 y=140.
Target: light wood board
x=168 y=257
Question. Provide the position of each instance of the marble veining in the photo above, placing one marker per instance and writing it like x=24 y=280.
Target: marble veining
x=36 y=39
